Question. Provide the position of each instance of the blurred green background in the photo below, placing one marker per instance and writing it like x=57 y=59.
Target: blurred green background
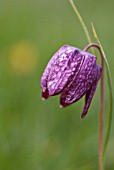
x=37 y=135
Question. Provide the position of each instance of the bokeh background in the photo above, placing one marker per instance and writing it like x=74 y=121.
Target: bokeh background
x=37 y=135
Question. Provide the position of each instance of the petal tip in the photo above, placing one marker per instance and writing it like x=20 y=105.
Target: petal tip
x=45 y=95
x=61 y=106
x=82 y=116
x=43 y=98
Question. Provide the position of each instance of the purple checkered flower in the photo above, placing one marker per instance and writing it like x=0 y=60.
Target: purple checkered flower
x=72 y=73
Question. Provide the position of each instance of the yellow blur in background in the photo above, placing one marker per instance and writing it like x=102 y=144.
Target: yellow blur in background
x=22 y=57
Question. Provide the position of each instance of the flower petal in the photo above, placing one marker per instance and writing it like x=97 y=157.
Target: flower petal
x=90 y=93
x=45 y=94
x=80 y=85
x=62 y=67
x=44 y=78
x=64 y=70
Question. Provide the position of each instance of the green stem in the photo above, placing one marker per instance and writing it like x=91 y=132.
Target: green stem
x=110 y=92
x=101 y=115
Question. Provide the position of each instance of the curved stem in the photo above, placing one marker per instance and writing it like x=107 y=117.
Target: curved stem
x=101 y=105
x=109 y=118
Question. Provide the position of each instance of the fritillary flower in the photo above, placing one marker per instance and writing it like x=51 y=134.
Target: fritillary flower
x=72 y=73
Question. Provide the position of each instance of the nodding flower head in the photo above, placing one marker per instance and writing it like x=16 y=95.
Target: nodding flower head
x=72 y=73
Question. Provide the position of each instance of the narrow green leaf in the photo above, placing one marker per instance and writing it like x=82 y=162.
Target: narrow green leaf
x=107 y=69
x=82 y=23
